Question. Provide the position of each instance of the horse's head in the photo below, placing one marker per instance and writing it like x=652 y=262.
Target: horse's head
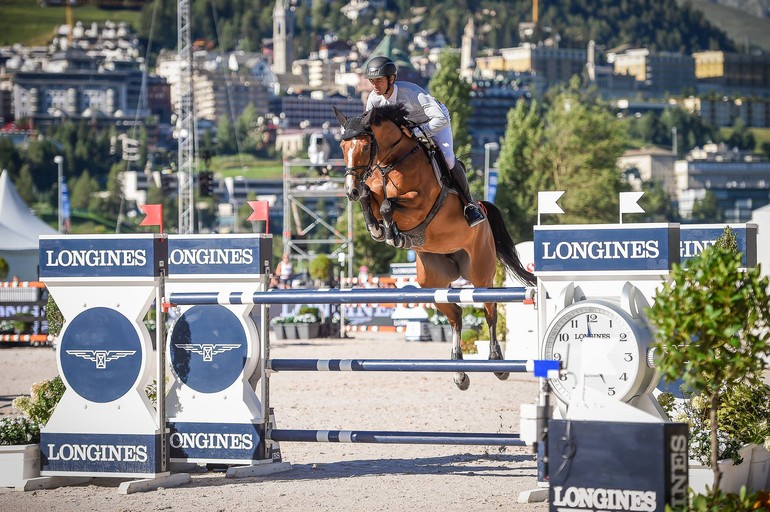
x=358 y=151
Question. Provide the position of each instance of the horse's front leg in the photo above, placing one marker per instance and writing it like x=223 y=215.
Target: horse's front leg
x=393 y=236
x=373 y=225
x=490 y=312
x=453 y=312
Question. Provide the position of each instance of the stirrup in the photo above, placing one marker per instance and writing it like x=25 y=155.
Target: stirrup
x=473 y=215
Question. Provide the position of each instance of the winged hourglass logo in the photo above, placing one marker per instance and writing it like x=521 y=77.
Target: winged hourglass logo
x=101 y=357
x=207 y=350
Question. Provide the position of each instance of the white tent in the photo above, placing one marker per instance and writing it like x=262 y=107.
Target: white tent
x=19 y=232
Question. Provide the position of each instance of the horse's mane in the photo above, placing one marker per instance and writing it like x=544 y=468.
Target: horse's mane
x=394 y=113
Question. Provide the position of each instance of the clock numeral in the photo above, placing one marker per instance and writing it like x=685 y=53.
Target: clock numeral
x=610 y=323
x=563 y=376
x=623 y=336
x=593 y=318
x=563 y=336
x=556 y=356
x=573 y=323
x=628 y=357
x=611 y=391
x=623 y=376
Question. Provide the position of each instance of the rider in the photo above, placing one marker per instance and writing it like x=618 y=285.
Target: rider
x=381 y=72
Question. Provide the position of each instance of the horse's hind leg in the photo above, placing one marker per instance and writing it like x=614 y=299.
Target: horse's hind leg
x=490 y=312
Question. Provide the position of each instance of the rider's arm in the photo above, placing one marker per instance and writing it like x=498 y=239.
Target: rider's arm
x=437 y=119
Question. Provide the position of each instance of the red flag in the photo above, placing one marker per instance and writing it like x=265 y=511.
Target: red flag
x=260 y=211
x=154 y=216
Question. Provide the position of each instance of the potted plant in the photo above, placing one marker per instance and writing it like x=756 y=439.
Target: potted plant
x=54 y=319
x=439 y=327
x=713 y=327
x=19 y=437
x=308 y=322
x=279 y=325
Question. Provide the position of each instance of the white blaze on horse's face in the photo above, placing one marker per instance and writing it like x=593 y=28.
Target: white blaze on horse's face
x=352 y=183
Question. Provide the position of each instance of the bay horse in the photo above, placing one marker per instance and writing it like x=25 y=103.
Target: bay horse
x=406 y=204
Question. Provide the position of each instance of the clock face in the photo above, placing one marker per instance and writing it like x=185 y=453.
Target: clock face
x=600 y=342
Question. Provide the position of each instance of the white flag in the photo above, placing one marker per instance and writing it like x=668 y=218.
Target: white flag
x=628 y=202
x=546 y=202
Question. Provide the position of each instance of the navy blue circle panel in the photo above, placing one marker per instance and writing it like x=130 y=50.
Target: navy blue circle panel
x=100 y=354
x=208 y=348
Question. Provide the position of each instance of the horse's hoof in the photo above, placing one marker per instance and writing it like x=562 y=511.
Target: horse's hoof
x=502 y=375
x=496 y=355
x=465 y=382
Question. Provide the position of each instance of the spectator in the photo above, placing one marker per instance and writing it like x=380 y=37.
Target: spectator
x=284 y=271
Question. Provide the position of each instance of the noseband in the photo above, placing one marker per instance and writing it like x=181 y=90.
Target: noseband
x=368 y=167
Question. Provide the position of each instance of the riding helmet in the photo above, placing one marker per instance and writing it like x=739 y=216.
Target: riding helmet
x=380 y=66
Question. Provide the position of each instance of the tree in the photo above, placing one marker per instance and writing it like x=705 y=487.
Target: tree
x=518 y=179
x=10 y=157
x=246 y=129
x=25 y=185
x=573 y=146
x=741 y=137
x=656 y=204
x=454 y=92
x=81 y=190
x=713 y=328
x=582 y=143
x=227 y=143
x=707 y=209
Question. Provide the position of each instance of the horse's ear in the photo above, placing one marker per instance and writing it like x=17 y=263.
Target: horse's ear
x=340 y=116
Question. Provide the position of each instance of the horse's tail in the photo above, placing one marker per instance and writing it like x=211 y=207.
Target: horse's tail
x=506 y=249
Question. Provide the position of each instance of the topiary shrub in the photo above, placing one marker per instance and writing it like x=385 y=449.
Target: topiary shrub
x=321 y=268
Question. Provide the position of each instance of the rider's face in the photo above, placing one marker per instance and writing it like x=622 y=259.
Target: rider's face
x=380 y=84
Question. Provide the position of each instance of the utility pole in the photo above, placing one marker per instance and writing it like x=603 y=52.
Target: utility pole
x=185 y=122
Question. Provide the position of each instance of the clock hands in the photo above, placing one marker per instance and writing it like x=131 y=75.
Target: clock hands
x=588 y=326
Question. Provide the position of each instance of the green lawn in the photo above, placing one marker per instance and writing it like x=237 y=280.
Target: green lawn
x=25 y=22
x=247 y=166
x=761 y=135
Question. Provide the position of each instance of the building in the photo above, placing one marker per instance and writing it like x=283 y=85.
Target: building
x=491 y=99
x=724 y=111
x=740 y=74
x=739 y=181
x=220 y=93
x=306 y=110
x=649 y=164
x=661 y=72
x=550 y=64
x=283 y=36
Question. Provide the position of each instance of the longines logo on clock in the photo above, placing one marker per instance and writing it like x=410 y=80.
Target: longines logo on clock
x=601 y=343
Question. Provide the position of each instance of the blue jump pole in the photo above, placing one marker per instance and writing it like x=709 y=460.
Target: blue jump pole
x=356 y=296
x=394 y=437
x=395 y=365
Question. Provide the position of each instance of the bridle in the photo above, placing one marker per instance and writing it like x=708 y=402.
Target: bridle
x=371 y=166
x=367 y=167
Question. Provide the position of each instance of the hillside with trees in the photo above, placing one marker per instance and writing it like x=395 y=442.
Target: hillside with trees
x=660 y=25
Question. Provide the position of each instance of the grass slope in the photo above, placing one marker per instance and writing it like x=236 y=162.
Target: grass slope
x=739 y=25
x=25 y=22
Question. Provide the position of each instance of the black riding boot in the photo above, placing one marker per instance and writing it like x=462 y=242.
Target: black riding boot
x=472 y=212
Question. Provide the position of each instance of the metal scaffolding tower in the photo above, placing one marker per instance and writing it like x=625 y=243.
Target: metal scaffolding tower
x=304 y=225
x=185 y=121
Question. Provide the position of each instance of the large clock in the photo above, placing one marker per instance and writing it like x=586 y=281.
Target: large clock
x=603 y=347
